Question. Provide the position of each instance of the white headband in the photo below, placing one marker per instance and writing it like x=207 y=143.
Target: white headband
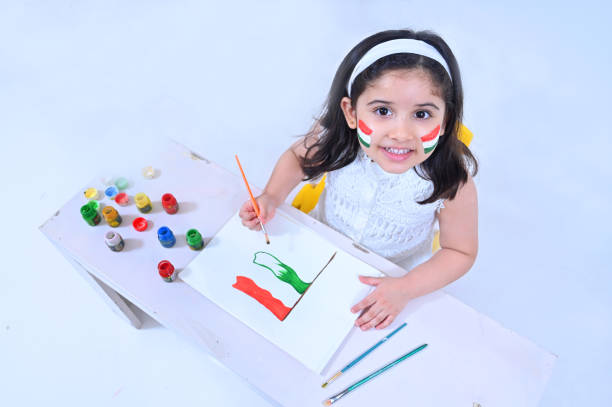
x=398 y=46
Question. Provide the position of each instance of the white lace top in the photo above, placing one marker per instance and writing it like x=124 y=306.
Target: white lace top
x=378 y=210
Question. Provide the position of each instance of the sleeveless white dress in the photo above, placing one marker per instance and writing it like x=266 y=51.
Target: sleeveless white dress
x=379 y=210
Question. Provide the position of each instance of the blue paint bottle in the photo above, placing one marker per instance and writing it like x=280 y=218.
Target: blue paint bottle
x=111 y=192
x=166 y=237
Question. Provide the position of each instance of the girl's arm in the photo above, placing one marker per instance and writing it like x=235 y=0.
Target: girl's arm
x=287 y=174
x=459 y=246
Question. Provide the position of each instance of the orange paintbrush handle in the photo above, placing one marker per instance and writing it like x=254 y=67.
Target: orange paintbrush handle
x=248 y=187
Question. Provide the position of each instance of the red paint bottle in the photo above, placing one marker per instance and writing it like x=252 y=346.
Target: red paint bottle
x=169 y=203
x=166 y=271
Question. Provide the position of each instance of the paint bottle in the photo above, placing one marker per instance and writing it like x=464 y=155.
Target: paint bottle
x=148 y=172
x=143 y=203
x=111 y=216
x=114 y=241
x=169 y=203
x=91 y=193
x=122 y=199
x=140 y=224
x=94 y=204
x=166 y=271
x=111 y=192
x=166 y=237
x=121 y=183
x=194 y=239
x=90 y=215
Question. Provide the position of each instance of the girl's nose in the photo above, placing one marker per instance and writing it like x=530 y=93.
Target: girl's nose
x=402 y=132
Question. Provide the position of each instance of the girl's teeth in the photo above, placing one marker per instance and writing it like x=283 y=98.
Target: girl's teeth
x=397 y=150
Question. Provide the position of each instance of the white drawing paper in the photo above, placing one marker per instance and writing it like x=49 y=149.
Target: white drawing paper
x=316 y=326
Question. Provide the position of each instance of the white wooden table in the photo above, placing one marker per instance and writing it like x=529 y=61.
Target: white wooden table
x=470 y=358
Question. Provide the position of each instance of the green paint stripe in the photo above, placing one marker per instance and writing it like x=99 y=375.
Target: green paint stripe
x=430 y=149
x=284 y=273
x=362 y=140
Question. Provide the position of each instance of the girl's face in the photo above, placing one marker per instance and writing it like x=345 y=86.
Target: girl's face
x=399 y=118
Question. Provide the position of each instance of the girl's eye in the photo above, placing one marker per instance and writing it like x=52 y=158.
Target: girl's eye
x=422 y=114
x=383 y=111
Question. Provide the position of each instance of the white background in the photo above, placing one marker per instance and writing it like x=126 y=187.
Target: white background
x=87 y=85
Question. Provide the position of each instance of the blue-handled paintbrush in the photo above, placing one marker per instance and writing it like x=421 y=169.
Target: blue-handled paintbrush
x=363 y=355
x=366 y=379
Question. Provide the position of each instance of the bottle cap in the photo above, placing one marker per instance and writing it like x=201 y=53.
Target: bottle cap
x=141 y=200
x=165 y=268
x=112 y=238
x=88 y=212
x=91 y=193
x=111 y=191
x=140 y=224
x=148 y=172
x=122 y=199
x=194 y=238
x=168 y=200
x=109 y=212
x=164 y=233
x=121 y=183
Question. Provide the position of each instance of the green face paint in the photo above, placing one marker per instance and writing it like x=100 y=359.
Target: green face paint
x=430 y=140
x=282 y=271
x=364 y=133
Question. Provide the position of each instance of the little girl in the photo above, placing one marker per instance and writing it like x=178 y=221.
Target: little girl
x=387 y=139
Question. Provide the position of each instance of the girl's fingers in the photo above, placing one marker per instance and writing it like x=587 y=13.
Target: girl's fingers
x=246 y=210
x=385 y=322
x=249 y=219
x=252 y=224
x=266 y=211
x=248 y=216
x=375 y=321
x=370 y=280
x=370 y=318
x=363 y=304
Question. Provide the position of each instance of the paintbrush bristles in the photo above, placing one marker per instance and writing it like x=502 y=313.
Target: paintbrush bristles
x=264 y=230
x=334 y=377
x=327 y=403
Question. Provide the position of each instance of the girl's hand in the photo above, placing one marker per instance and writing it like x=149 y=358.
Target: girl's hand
x=383 y=304
x=267 y=207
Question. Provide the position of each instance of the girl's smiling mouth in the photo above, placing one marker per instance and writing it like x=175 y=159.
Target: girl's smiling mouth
x=397 y=154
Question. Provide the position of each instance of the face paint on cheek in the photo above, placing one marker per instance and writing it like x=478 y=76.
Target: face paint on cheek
x=364 y=133
x=430 y=140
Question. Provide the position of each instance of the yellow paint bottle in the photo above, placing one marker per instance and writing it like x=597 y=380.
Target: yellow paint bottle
x=143 y=203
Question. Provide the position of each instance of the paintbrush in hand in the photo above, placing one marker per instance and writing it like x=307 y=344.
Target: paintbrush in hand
x=253 y=201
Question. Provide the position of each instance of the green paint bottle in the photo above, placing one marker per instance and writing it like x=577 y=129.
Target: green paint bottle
x=194 y=239
x=90 y=215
